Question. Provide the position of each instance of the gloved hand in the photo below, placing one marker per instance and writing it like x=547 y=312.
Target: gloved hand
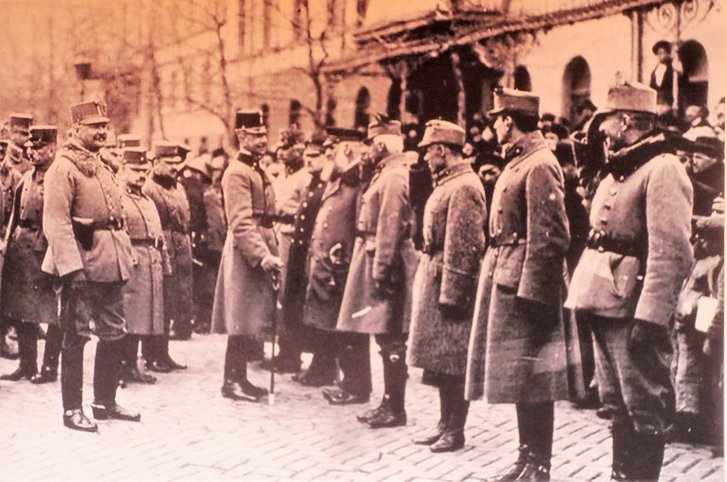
x=76 y=281
x=645 y=334
x=271 y=263
x=453 y=312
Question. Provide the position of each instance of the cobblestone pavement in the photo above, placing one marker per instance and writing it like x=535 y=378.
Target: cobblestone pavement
x=189 y=432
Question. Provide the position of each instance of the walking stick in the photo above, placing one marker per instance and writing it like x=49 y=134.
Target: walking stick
x=276 y=288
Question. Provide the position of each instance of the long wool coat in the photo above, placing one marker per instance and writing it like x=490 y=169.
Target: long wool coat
x=383 y=252
x=28 y=293
x=521 y=347
x=144 y=292
x=173 y=207
x=329 y=256
x=244 y=296
x=453 y=242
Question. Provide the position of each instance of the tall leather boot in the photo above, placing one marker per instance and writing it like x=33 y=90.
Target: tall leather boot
x=163 y=356
x=106 y=371
x=436 y=433
x=235 y=385
x=354 y=359
x=453 y=437
x=647 y=457
x=395 y=375
x=27 y=353
x=72 y=384
x=538 y=419
x=622 y=438
x=51 y=355
x=526 y=435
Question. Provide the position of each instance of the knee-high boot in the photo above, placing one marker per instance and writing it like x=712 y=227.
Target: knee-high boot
x=72 y=371
x=395 y=375
x=51 y=356
x=453 y=437
x=27 y=353
x=106 y=371
x=444 y=414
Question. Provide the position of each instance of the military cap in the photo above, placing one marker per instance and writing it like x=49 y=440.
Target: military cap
x=630 y=96
x=89 y=112
x=128 y=140
x=43 y=135
x=382 y=125
x=291 y=136
x=20 y=122
x=442 y=132
x=184 y=149
x=250 y=121
x=512 y=100
x=661 y=44
x=547 y=117
x=341 y=134
x=135 y=157
x=168 y=150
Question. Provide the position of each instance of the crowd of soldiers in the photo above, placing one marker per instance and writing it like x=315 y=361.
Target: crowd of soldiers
x=511 y=261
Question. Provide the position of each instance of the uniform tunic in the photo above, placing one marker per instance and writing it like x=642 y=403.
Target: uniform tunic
x=383 y=252
x=173 y=207
x=329 y=255
x=453 y=242
x=144 y=292
x=27 y=292
x=244 y=295
x=82 y=193
x=521 y=349
x=640 y=219
x=9 y=179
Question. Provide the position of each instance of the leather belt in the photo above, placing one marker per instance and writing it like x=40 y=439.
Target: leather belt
x=112 y=224
x=149 y=242
x=30 y=225
x=599 y=241
x=284 y=218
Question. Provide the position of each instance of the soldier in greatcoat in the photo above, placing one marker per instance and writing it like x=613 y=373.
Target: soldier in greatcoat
x=522 y=351
x=289 y=187
x=629 y=276
x=171 y=202
x=91 y=254
x=245 y=295
x=28 y=296
x=377 y=296
x=144 y=292
x=329 y=257
x=444 y=289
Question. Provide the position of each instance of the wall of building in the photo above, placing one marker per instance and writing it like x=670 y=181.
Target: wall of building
x=607 y=50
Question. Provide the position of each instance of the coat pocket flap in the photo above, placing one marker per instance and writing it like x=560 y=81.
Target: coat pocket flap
x=509 y=265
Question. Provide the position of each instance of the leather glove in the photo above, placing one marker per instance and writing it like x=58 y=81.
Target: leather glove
x=644 y=334
x=381 y=290
x=271 y=263
x=453 y=312
x=76 y=281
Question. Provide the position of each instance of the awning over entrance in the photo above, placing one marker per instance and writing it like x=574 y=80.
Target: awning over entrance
x=436 y=31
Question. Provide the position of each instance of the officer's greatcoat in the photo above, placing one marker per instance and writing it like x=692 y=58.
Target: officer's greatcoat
x=173 y=207
x=453 y=242
x=27 y=292
x=383 y=252
x=329 y=255
x=143 y=293
x=521 y=348
x=244 y=295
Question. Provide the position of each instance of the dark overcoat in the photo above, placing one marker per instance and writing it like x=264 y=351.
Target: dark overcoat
x=454 y=226
x=173 y=207
x=295 y=280
x=244 y=295
x=383 y=252
x=522 y=349
x=9 y=179
x=144 y=292
x=28 y=292
x=329 y=255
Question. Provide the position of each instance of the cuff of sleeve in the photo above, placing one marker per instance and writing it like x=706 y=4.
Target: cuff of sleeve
x=653 y=310
x=543 y=293
x=457 y=288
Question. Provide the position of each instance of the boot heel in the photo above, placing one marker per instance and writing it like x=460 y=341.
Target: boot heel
x=99 y=413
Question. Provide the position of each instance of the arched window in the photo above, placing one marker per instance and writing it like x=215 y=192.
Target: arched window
x=696 y=74
x=363 y=102
x=576 y=87
x=294 y=112
x=522 y=79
